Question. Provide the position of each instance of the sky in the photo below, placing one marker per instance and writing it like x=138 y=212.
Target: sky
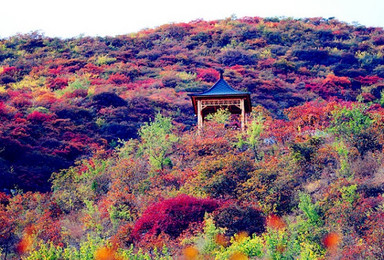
x=73 y=18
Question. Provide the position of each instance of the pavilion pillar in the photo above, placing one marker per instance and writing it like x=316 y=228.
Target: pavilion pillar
x=199 y=115
x=242 y=107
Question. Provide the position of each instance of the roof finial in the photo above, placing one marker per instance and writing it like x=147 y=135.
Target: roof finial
x=221 y=71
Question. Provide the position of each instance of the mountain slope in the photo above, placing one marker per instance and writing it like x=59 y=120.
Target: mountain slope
x=61 y=99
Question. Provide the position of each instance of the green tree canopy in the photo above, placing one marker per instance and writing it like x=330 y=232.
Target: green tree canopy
x=157 y=139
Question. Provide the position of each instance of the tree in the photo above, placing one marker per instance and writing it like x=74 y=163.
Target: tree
x=222 y=116
x=347 y=122
x=236 y=218
x=157 y=139
x=252 y=136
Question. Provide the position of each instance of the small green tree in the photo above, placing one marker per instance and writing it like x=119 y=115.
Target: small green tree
x=310 y=209
x=157 y=139
x=347 y=122
x=251 y=138
x=221 y=116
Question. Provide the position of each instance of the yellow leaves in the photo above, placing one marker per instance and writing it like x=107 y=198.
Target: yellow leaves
x=104 y=60
x=241 y=236
x=238 y=256
x=29 y=82
x=186 y=76
x=2 y=88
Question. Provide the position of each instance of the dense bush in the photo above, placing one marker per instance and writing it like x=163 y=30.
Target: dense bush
x=236 y=57
x=237 y=219
x=172 y=216
x=107 y=99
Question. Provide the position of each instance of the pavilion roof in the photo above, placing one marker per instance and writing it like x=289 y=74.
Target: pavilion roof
x=220 y=88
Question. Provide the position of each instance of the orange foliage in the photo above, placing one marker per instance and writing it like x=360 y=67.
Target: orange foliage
x=26 y=241
x=238 y=256
x=222 y=240
x=332 y=240
x=106 y=253
x=275 y=222
x=190 y=253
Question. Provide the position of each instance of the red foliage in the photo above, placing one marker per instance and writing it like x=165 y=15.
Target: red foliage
x=123 y=235
x=22 y=100
x=98 y=81
x=275 y=222
x=118 y=79
x=9 y=71
x=91 y=68
x=7 y=225
x=143 y=84
x=3 y=109
x=374 y=236
x=57 y=83
x=281 y=130
x=4 y=198
x=368 y=97
x=310 y=116
x=38 y=116
x=330 y=87
x=172 y=216
x=335 y=81
x=368 y=80
x=208 y=75
x=56 y=71
x=76 y=93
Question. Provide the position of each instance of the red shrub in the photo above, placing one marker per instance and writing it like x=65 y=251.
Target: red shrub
x=38 y=116
x=4 y=198
x=9 y=71
x=118 y=79
x=368 y=97
x=76 y=93
x=208 y=75
x=57 y=83
x=3 y=109
x=367 y=80
x=172 y=216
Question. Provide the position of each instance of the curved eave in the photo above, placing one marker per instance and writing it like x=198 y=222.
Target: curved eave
x=245 y=95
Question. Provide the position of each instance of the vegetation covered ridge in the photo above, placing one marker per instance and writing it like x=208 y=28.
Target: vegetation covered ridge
x=62 y=99
x=307 y=188
x=100 y=159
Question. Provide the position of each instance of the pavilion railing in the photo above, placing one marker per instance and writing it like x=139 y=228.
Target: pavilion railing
x=220 y=102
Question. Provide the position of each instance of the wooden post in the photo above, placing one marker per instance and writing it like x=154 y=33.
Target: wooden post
x=242 y=114
x=199 y=115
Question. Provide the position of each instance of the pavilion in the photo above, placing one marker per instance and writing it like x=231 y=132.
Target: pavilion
x=221 y=95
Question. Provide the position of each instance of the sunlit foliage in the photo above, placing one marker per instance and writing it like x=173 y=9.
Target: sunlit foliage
x=100 y=157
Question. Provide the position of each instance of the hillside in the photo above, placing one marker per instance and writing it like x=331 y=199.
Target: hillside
x=99 y=155
x=63 y=99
